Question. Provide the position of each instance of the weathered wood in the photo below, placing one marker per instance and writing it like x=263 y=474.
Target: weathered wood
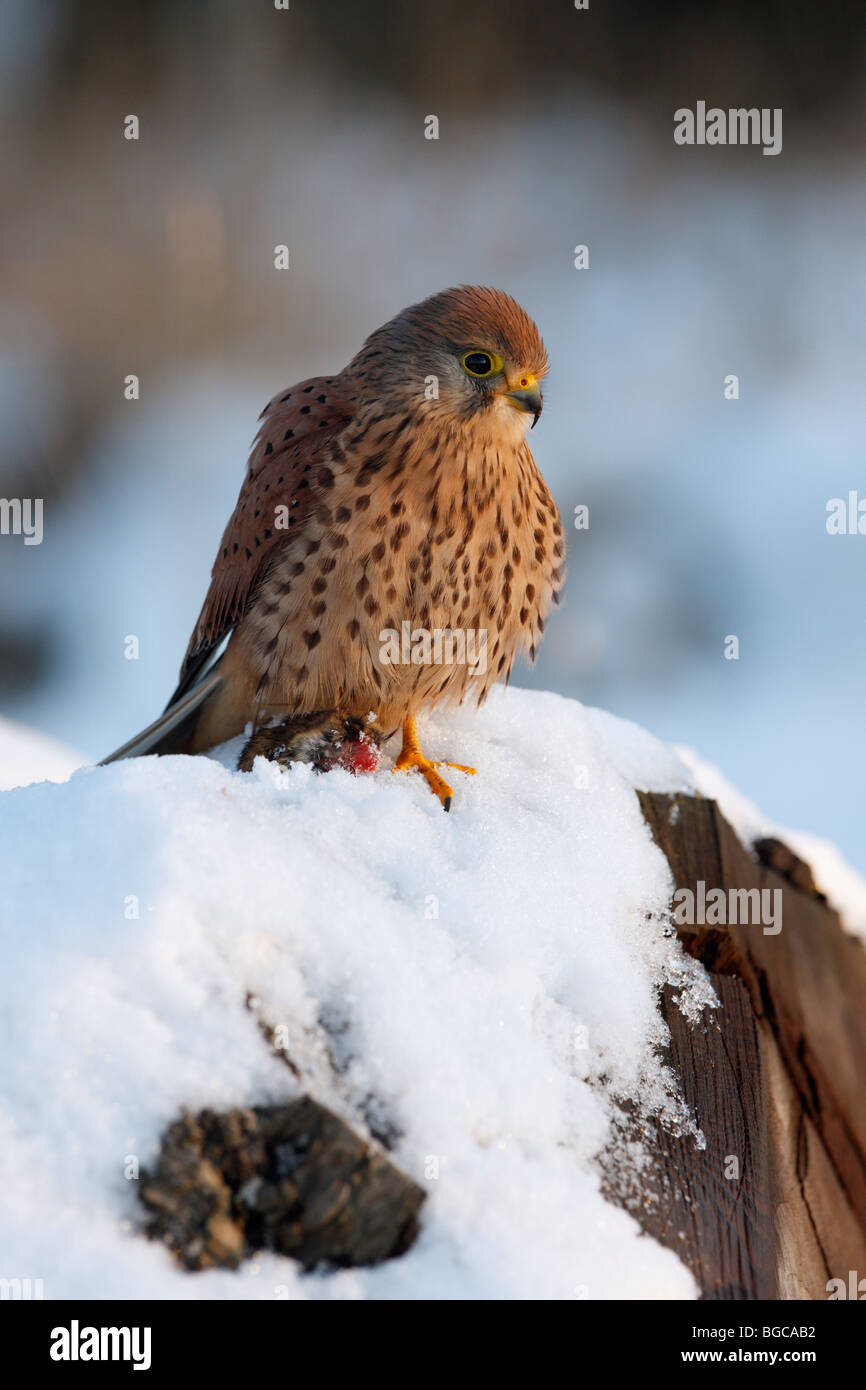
x=774 y=1078
x=291 y=1178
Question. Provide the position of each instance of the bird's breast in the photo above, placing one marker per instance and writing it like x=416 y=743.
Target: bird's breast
x=410 y=585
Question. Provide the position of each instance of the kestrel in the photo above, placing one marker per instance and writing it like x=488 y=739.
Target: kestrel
x=383 y=510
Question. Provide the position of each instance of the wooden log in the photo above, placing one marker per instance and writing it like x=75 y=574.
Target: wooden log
x=774 y=1077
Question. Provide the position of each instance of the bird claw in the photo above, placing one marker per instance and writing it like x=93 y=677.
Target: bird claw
x=410 y=760
x=414 y=760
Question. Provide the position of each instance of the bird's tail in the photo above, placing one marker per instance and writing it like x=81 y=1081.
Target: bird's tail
x=173 y=731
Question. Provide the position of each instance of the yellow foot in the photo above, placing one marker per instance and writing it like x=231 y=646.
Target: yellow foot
x=411 y=758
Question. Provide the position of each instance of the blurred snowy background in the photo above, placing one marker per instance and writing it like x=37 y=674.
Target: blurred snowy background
x=306 y=127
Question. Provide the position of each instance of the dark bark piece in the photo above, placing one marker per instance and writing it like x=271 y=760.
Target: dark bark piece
x=295 y=1179
x=774 y=1078
x=778 y=856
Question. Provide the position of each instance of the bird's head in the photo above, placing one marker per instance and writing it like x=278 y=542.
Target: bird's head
x=467 y=354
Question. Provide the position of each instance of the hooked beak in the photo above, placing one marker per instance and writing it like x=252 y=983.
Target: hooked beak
x=527 y=397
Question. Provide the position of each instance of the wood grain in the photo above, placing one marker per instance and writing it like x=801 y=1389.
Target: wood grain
x=774 y=1078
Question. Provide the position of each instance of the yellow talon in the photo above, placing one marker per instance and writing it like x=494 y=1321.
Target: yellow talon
x=411 y=757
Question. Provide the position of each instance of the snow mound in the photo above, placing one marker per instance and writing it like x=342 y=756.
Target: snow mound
x=476 y=985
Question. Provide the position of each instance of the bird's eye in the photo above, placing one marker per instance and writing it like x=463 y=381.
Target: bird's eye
x=482 y=363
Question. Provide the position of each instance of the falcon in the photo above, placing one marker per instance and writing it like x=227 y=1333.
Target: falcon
x=399 y=496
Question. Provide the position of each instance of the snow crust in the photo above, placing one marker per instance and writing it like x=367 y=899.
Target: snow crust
x=478 y=985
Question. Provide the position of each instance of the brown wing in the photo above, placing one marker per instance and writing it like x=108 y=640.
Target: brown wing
x=297 y=431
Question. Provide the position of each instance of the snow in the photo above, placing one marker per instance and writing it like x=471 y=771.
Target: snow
x=27 y=756
x=480 y=984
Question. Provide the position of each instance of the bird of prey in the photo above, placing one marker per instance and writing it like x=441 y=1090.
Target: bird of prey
x=399 y=496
